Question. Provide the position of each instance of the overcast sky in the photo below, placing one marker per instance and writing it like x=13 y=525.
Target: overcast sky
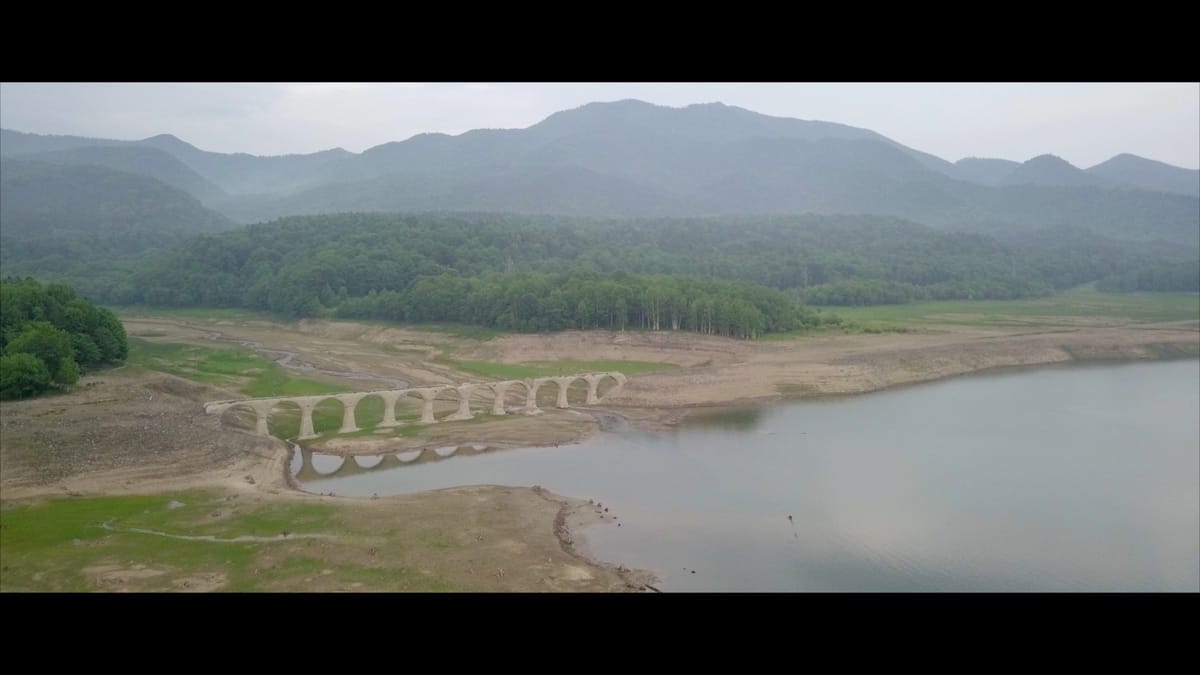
x=1083 y=123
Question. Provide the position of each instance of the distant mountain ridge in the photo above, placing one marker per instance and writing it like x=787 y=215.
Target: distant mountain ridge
x=984 y=170
x=238 y=173
x=630 y=158
x=146 y=161
x=1149 y=174
x=1124 y=171
x=1053 y=171
x=704 y=122
x=58 y=217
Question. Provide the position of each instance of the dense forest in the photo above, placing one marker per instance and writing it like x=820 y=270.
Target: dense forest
x=48 y=336
x=299 y=266
x=1182 y=276
x=532 y=301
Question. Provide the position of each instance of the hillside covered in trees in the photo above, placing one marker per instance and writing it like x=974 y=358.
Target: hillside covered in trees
x=48 y=336
x=547 y=273
x=1176 y=277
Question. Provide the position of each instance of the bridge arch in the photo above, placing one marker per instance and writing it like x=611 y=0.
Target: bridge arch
x=377 y=410
x=579 y=390
x=408 y=456
x=560 y=385
x=601 y=385
x=254 y=413
x=368 y=461
x=281 y=414
x=323 y=413
x=327 y=465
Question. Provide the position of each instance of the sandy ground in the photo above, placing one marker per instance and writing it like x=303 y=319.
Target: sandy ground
x=124 y=431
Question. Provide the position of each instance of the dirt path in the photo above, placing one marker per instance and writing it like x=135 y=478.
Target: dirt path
x=107 y=525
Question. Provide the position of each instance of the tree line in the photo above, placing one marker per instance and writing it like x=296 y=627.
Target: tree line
x=1183 y=276
x=535 y=301
x=49 y=335
x=286 y=266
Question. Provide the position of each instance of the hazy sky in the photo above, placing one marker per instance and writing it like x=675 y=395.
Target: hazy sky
x=1083 y=123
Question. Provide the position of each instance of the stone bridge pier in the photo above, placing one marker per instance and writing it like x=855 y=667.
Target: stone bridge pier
x=464 y=403
x=349 y=403
x=531 y=391
x=307 y=405
x=500 y=389
x=564 y=384
x=427 y=394
x=389 y=408
x=262 y=412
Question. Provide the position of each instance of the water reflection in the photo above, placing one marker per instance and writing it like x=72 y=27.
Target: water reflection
x=309 y=466
x=730 y=418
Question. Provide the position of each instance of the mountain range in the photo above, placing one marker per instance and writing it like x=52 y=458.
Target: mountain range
x=630 y=158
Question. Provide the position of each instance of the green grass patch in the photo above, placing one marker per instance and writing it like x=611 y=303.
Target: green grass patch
x=50 y=546
x=1056 y=310
x=61 y=545
x=516 y=371
x=239 y=369
x=276 y=381
x=202 y=364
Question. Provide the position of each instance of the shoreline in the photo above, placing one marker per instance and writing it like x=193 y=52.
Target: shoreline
x=659 y=419
x=575 y=515
x=572 y=514
x=108 y=449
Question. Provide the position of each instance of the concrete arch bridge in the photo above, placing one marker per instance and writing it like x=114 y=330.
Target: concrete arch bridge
x=263 y=407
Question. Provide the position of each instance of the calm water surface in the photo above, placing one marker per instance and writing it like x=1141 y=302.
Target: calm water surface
x=1075 y=478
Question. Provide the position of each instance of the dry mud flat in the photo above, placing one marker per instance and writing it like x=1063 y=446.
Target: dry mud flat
x=122 y=432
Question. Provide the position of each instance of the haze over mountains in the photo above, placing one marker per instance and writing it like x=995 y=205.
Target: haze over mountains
x=60 y=218
x=630 y=158
x=75 y=201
